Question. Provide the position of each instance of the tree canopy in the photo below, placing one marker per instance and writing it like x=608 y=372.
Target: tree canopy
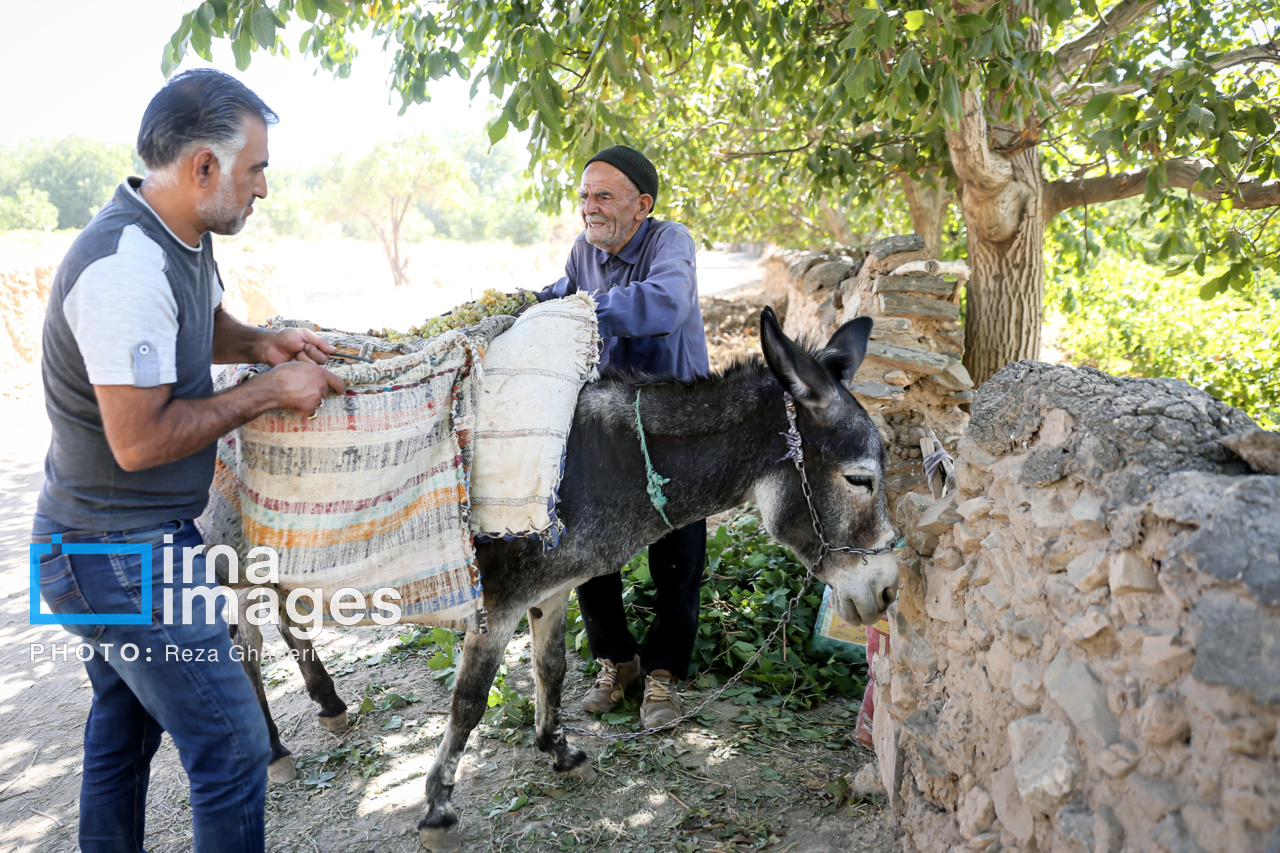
x=1020 y=110
x=70 y=177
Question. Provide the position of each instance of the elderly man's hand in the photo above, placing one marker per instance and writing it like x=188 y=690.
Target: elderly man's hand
x=295 y=345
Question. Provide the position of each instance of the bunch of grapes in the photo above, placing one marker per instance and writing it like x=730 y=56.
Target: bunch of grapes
x=492 y=303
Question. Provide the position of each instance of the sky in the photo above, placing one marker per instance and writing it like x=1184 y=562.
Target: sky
x=89 y=68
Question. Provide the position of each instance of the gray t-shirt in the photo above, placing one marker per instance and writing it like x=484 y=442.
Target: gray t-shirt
x=131 y=304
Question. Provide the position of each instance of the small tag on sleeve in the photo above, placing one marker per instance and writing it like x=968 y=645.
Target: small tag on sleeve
x=146 y=365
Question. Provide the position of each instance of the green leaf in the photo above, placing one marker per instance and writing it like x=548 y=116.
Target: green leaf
x=263 y=27
x=972 y=25
x=204 y=18
x=336 y=8
x=1097 y=105
x=307 y=9
x=1215 y=286
x=884 y=32
x=242 y=50
x=167 y=61
x=915 y=19
x=614 y=718
x=202 y=44
x=950 y=99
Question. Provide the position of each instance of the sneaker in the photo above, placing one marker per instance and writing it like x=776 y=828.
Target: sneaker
x=661 y=701
x=611 y=683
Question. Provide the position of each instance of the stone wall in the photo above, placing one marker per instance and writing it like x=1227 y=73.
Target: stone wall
x=912 y=376
x=1086 y=646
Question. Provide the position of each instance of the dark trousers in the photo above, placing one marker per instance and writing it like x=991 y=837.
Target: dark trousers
x=676 y=563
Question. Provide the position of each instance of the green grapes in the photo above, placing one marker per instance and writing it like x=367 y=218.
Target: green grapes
x=492 y=303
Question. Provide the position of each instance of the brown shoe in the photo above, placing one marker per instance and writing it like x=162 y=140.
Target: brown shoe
x=611 y=683
x=661 y=701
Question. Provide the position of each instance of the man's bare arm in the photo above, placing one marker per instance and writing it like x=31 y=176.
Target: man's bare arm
x=237 y=343
x=146 y=427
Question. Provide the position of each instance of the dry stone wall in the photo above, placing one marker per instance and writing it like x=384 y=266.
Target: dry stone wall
x=1086 y=646
x=912 y=375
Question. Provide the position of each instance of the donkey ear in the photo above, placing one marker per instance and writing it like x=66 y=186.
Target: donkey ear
x=799 y=373
x=848 y=346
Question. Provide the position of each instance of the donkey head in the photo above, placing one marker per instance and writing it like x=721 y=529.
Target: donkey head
x=844 y=460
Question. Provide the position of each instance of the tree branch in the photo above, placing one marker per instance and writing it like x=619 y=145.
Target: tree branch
x=735 y=155
x=1076 y=95
x=1181 y=173
x=1075 y=54
x=971 y=155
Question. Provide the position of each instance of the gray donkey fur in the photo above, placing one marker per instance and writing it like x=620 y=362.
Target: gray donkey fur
x=720 y=441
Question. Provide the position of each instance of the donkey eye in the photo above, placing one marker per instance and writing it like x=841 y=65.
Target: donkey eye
x=859 y=482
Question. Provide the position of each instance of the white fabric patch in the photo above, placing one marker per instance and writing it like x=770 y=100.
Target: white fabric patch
x=119 y=303
x=532 y=375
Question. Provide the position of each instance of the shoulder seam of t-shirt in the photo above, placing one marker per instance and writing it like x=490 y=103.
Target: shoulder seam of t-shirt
x=134 y=241
x=122 y=367
x=138 y=195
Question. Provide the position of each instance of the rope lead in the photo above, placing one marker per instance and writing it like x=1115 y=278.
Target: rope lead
x=655 y=480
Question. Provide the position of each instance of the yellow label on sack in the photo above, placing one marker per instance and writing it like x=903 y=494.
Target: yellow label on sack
x=838 y=629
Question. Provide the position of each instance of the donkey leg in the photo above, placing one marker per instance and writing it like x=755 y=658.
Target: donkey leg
x=248 y=639
x=547 y=624
x=333 y=711
x=481 y=655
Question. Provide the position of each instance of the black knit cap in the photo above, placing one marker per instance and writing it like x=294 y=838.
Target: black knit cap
x=634 y=165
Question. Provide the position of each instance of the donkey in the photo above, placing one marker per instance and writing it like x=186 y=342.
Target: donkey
x=720 y=440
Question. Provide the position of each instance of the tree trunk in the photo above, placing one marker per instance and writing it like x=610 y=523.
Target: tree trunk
x=399 y=265
x=928 y=207
x=1003 y=196
x=836 y=223
x=1006 y=259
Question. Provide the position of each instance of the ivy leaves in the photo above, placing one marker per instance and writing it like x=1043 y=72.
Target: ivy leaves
x=749 y=580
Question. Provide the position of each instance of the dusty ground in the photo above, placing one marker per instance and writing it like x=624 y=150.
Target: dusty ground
x=738 y=782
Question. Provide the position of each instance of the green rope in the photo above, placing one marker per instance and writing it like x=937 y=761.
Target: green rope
x=655 y=480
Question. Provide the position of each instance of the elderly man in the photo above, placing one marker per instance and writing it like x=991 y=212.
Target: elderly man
x=642 y=273
x=134 y=322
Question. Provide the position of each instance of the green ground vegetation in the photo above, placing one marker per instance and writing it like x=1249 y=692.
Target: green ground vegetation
x=1130 y=319
x=1123 y=304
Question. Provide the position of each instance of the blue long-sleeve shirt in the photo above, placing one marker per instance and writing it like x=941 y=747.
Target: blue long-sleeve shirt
x=646 y=297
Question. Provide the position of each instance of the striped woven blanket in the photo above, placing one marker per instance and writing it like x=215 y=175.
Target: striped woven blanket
x=434 y=441
x=372 y=493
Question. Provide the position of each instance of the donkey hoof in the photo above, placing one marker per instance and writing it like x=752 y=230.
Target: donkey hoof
x=583 y=771
x=282 y=770
x=440 y=839
x=337 y=724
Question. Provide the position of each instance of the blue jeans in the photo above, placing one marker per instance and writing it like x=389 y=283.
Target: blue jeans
x=182 y=680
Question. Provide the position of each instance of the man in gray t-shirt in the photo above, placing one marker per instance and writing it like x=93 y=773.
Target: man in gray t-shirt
x=134 y=323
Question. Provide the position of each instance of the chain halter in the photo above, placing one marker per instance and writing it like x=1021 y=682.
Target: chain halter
x=795 y=452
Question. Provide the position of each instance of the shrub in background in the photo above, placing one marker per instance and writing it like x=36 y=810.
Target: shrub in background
x=1131 y=319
